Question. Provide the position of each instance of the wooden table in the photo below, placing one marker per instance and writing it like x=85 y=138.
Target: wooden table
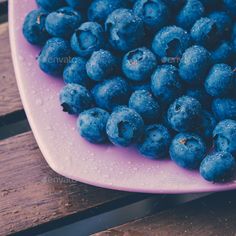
x=34 y=199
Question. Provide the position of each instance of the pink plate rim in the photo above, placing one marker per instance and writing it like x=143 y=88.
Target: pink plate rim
x=67 y=153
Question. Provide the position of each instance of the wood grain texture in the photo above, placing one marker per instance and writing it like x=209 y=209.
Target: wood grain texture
x=32 y=194
x=211 y=216
x=9 y=96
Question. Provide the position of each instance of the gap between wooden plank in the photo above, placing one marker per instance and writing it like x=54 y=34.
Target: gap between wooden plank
x=13 y=117
x=3 y=11
x=212 y=215
x=3 y=18
x=133 y=211
x=105 y=216
x=13 y=124
x=17 y=128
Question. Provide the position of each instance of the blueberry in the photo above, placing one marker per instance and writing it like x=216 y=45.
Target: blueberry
x=230 y=6
x=91 y=125
x=195 y=64
x=120 y=108
x=75 y=98
x=223 y=54
x=211 y=4
x=192 y=11
x=78 y=4
x=184 y=114
x=54 y=56
x=234 y=39
x=99 y=10
x=218 y=167
x=155 y=14
x=234 y=45
x=134 y=86
x=101 y=65
x=166 y=84
x=170 y=42
x=225 y=136
x=174 y=4
x=89 y=37
x=201 y=95
x=75 y=72
x=224 y=108
x=155 y=141
x=145 y=104
x=205 y=33
x=233 y=66
x=234 y=31
x=187 y=150
x=166 y=123
x=63 y=22
x=132 y=1
x=223 y=23
x=111 y=93
x=208 y=123
x=34 y=27
x=138 y=64
x=125 y=30
x=124 y=127
x=220 y=80
x=51 y=5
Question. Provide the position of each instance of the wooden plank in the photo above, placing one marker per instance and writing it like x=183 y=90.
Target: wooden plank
x=32 y=194
x=214 y=215
x=9 y=95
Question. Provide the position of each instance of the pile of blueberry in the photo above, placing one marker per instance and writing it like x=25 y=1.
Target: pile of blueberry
x=158 y=74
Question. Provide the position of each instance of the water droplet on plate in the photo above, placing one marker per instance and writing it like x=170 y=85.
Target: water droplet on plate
x=49 y=128
x=21 y=58
x=39 y=102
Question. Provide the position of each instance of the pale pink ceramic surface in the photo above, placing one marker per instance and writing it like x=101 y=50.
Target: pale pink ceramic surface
x=66 y=152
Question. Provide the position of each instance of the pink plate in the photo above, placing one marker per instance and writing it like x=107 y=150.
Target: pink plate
x=66 y=152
